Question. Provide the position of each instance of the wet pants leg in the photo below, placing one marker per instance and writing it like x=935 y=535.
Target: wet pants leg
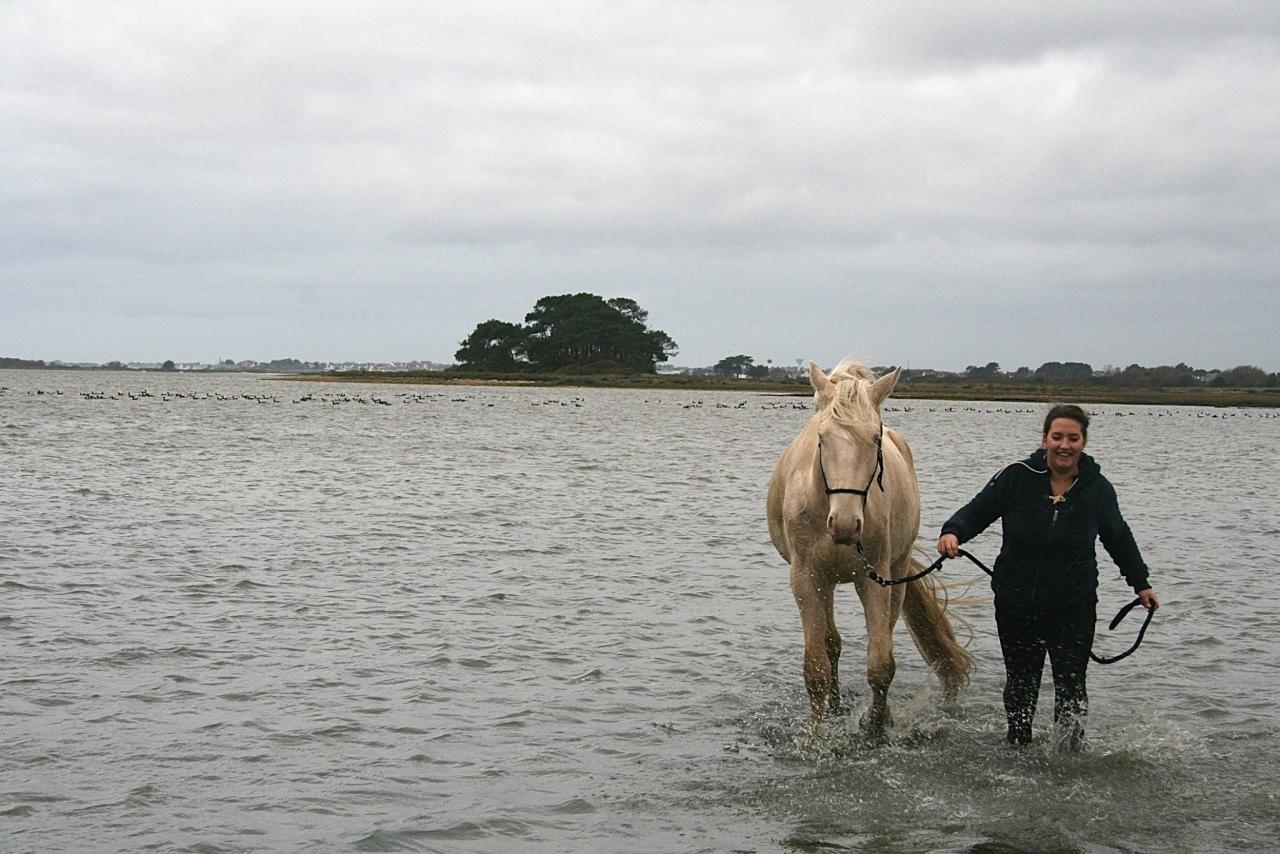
x=1069 y=637
x=1066 y=635
x=1023 y=652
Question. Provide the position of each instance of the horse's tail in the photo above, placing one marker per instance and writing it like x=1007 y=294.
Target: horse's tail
x=924 y=608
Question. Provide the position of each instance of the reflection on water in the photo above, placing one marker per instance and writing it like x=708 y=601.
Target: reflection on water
x=260 y=616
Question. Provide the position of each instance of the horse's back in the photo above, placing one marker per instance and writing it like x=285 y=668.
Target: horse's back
x=903 y=447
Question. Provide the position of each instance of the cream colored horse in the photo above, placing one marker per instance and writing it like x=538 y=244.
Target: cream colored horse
x=843 y=499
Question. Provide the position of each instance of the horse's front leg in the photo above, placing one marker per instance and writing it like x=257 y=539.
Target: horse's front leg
x=878 y=607
x=814 y=598
x=835 y=644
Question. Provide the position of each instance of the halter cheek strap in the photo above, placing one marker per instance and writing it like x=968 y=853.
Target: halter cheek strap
x=877 y=473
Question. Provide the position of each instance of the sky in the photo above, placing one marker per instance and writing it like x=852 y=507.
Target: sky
x=930 y=184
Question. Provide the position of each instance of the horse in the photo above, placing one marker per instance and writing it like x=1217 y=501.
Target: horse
x=844 y=499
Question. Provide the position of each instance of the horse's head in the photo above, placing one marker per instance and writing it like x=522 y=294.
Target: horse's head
x=849 y=459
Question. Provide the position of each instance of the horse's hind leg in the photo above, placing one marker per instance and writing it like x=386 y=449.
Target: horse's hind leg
x=925 y=616
x=814 y=600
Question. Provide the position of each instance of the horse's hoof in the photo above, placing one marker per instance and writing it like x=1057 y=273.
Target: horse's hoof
x=951 y=692
x=875 y=726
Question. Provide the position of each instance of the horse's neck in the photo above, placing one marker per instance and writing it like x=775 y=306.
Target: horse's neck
x=814 y=465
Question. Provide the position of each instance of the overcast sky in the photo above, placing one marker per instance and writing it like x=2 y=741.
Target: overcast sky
x=929 y=184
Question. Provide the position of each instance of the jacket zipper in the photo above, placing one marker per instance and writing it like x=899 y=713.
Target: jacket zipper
x=1035 y=581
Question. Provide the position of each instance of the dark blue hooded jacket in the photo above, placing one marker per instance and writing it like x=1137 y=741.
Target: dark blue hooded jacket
x=1047 y=559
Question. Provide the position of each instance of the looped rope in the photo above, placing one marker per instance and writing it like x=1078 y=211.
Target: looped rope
x=1115 y=621
x=937 y=566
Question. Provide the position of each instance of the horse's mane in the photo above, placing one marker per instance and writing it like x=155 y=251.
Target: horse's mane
x=851 y=368
x=851 y=404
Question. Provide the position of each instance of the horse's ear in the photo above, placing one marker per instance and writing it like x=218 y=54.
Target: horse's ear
x=881 y=388
x=822 y=385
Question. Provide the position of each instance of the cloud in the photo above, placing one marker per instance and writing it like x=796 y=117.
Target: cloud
x=204 y=161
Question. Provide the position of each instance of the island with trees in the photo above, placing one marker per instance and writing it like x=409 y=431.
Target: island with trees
x=578 y=333
x=586 y=340
x=583 y=339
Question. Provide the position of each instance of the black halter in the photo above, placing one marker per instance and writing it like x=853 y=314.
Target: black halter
x=877 y=473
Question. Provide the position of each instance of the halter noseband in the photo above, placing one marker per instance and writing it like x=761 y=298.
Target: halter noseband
x=877 y=473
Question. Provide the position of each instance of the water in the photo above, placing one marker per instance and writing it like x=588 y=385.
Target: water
x=233 y=618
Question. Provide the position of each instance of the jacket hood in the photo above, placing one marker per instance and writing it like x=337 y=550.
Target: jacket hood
x=1089 y=468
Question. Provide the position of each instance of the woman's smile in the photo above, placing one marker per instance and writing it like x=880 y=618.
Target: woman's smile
x=1063 y=445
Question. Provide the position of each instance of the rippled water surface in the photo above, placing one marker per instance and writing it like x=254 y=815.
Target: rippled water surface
x=245 y=615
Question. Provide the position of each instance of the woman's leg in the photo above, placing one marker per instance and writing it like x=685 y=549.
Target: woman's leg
x=1069 y=636
x=1023 y=651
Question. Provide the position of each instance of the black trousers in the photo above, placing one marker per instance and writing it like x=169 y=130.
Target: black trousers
x=1026 y=635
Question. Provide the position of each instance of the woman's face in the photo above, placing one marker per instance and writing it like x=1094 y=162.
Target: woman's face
x=1063 y=445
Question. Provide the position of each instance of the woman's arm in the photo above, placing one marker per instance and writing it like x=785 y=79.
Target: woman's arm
x=1118 y=540
x=973 y=518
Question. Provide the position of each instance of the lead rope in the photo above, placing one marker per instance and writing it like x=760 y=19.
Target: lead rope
x=937 y=565
x=1115 y=621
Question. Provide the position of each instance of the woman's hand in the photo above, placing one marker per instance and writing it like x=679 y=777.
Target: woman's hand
x=949 y=545
x=1150 y=600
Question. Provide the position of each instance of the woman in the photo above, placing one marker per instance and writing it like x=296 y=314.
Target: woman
x=1054 y=505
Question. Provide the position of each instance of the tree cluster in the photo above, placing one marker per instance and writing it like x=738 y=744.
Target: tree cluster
x=1162 y=376
x=7 y=362
x=740 y=366
x=582 y=332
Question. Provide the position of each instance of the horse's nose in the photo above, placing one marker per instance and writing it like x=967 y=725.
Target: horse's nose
x=844 y=530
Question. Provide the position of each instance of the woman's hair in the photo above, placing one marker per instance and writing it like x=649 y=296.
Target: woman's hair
x=1068 y=410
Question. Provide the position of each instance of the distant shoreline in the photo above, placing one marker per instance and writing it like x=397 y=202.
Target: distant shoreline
x=906 y=390
x=959 y=390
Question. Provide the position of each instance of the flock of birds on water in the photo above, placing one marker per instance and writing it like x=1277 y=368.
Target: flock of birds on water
x=577 y=401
